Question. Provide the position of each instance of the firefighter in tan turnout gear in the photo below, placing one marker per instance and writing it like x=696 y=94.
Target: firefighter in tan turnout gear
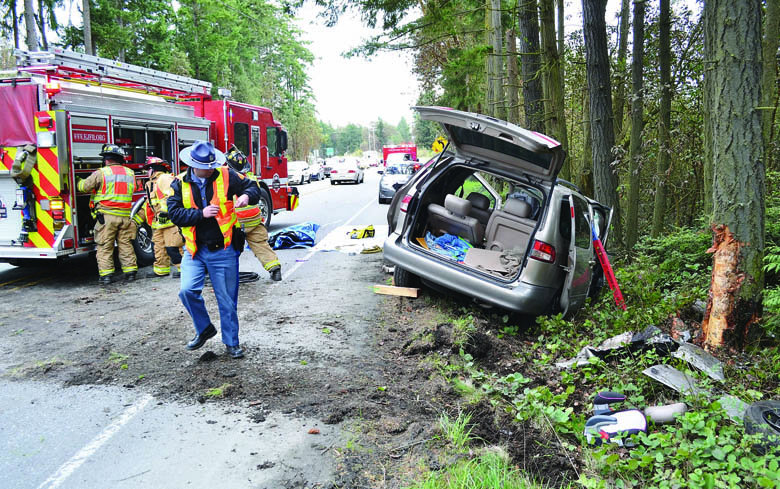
x=112 y=186
x=166 y=237
x=251 y=219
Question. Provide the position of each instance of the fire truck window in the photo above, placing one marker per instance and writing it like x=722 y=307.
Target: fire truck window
x=241 y=136
x=270 y=134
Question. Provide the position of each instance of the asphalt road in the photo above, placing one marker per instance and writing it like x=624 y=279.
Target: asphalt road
x=97 y=436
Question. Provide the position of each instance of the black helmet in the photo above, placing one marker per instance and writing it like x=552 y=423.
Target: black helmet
x=236 y=160
x=112 y=150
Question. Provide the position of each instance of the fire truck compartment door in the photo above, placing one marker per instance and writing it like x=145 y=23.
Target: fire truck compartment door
x=18 y=104
x=10 y=219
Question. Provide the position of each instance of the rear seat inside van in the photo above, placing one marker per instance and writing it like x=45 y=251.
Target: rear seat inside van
x=511 y=227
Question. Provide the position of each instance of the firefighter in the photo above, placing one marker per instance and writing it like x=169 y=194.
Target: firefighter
x=165 y=236
x=251 y=220
x=112 y=186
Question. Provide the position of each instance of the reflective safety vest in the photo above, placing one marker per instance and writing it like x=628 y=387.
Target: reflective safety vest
x=115 y=194
x=159 y=201
x=250 y=215
x=226 y=217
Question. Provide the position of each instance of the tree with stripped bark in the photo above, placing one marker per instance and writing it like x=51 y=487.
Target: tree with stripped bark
x=738 y=187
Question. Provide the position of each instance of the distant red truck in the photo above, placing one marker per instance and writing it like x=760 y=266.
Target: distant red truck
x=406 y=148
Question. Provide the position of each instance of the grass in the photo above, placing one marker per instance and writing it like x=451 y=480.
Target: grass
x=218 y=391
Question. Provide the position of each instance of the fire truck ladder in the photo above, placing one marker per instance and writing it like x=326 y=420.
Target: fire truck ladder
x=60 y=64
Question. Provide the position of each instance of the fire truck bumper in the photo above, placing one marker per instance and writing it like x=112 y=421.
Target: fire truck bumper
x=63 y=246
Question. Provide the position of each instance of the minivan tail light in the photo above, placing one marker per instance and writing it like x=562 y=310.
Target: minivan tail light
x=405 y=203
x=543 y=252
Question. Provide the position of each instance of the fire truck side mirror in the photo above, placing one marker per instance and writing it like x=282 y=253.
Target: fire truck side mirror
x=281 y=141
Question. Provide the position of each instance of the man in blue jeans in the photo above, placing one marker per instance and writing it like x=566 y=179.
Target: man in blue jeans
x=202 y=206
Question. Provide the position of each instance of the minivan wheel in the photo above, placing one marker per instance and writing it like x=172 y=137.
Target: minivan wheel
x=405 y=278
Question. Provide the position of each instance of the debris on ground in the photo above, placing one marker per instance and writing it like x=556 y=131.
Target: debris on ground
x=393 y=290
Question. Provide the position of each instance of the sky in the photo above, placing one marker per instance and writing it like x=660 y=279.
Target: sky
x=355 y=90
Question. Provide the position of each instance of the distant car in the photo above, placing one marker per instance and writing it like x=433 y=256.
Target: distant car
x=298 y=172
x=329 y=163
x=346 y=170
x=317 y=171
x=393 y=178
x=493 y=223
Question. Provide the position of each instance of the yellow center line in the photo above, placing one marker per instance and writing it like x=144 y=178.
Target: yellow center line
x=12 y=281
x=32 y=283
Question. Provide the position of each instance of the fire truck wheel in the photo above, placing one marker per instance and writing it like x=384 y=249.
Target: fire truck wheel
x=144 y=249
x=266 y=208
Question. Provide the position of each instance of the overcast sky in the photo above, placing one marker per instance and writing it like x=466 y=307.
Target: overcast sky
x=356 y=90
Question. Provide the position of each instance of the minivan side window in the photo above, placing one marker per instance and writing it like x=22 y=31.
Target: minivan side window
x=582 y=234
x=470 y=185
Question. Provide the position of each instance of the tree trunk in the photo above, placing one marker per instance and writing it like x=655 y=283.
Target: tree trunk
x=531 y=65
x=42 y=25
x=29 y=21
x=561 y=38
x=664 y=118
x=620 y=70
x=553 y=83
x=707 y=170
x=735 y=298
x=87 y=21
x=769 y=80
x=512 y=88
x=493 y=99
x=15 y=22
x=637 y=122
x=586 y=175
x=602 y=130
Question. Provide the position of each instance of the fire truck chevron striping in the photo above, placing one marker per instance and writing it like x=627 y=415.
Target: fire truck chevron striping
x=61 y=107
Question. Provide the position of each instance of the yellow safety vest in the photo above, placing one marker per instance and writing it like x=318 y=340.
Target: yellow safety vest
x=250 y=215
x=116 y=192
x=226 y=217
x=159 y=201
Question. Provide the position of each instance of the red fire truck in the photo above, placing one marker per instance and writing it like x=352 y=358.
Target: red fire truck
x=406 y=148
x=61 y=107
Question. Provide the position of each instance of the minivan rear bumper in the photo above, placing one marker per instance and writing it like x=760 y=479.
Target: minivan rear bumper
x=515 y=296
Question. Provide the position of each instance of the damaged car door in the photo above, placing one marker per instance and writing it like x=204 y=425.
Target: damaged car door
x=579 y=270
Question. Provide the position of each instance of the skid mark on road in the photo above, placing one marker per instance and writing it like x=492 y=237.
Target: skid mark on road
x=67 y=469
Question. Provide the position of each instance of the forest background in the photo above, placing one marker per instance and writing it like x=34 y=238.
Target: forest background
x=645 y=131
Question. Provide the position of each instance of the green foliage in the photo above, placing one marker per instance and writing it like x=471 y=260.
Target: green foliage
x=703 y=450
x=456 y=431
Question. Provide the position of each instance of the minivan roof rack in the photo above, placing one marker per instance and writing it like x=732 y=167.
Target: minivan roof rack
x=567 y=183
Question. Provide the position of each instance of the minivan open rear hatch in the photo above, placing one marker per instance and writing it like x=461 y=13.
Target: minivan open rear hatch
x=499 y=143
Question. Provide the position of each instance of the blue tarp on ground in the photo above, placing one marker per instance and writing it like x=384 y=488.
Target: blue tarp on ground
x=299 y=236
x=452 y=247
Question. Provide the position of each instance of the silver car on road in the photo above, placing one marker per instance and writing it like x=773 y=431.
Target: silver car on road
x=489 y=220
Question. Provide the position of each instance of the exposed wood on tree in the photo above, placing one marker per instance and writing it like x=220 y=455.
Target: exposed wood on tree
x=637 y=123
x=602 y=130
x=586 y=175
x=735 y=298
x=664 y=118
x=531 y=64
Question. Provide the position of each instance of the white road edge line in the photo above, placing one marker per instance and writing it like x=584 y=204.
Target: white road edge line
x=67 y=469
x=317 y=248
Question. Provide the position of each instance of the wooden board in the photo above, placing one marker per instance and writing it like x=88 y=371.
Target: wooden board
x=393 y=290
